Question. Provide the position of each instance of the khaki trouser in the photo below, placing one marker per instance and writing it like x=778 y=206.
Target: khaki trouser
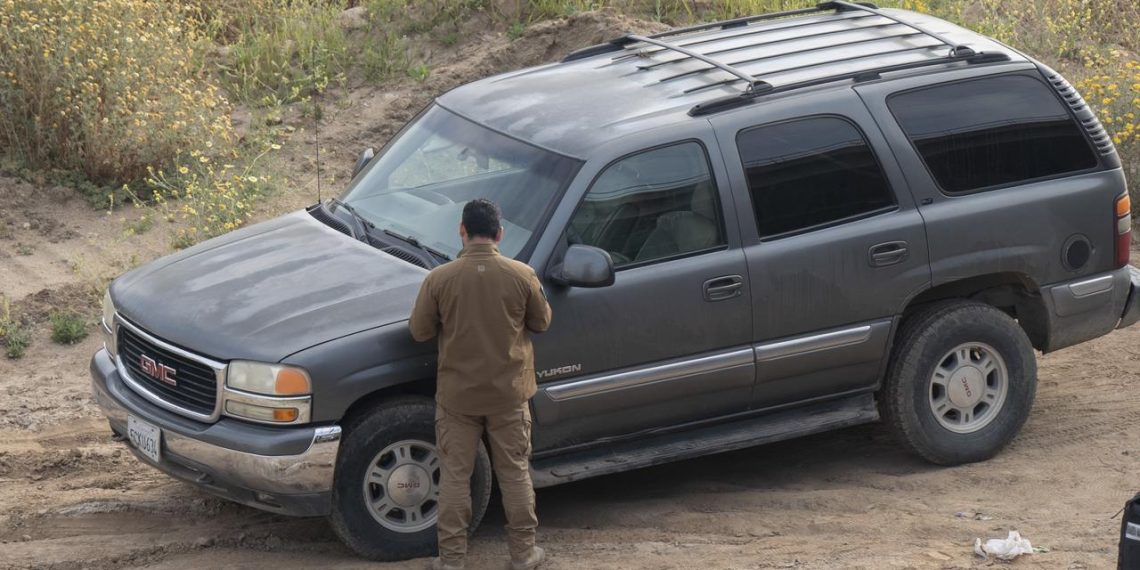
x=457 y=437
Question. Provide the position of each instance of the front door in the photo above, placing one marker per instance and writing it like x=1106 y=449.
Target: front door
x=668 y=342
x=834 y=243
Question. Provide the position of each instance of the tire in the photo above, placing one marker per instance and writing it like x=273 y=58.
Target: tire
x=404 y=424
x=943 y=396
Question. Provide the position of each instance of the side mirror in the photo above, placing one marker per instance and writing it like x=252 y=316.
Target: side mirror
x=584 y=266
x=365 y=158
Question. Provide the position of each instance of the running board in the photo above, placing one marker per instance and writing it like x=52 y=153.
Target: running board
x=654 y=450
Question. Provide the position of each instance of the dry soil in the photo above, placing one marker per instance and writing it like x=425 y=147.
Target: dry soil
x=70 y=497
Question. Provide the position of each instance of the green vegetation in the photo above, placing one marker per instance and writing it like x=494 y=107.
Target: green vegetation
x=67 y=327
x=16 y=342
x=15 y=336
x=130 y=100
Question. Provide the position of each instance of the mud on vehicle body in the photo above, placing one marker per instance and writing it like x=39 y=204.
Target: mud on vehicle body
x=748 y=230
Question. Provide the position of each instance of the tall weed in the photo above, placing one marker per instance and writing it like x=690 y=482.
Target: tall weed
x=105 y=88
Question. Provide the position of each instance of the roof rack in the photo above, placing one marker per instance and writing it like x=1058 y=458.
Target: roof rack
x=753 y=83
x=757 y=86
x=619 y=44
x=733 y=101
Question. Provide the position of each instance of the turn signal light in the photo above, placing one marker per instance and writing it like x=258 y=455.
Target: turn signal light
x=293 y=382
x=262 y=413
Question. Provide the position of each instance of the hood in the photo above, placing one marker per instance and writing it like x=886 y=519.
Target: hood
x=268 y=290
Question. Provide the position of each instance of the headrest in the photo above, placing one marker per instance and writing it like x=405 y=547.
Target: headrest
x=703 y=202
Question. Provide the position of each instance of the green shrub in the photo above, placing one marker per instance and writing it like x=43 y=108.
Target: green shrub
x=16 y=342
x=67 y=327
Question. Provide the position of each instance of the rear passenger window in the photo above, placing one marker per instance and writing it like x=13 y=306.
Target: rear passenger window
x=991 y=132
x=809 y=173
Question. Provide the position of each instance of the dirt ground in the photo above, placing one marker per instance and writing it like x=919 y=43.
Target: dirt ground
x=70 y=497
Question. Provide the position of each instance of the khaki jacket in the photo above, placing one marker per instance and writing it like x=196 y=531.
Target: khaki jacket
x=481 y=306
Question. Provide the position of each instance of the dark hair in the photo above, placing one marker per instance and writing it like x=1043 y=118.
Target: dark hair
x=482 y=218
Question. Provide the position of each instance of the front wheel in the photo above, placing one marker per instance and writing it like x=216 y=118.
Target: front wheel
x=385 y=499
x=961 y=383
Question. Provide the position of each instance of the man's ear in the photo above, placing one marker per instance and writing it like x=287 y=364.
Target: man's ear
x=462 y=231
x=499 y=235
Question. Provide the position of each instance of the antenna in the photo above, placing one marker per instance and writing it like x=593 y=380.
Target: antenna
x=317 y=132
x=316 y=128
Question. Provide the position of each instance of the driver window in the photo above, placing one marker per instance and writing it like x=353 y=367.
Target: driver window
x=654 y=205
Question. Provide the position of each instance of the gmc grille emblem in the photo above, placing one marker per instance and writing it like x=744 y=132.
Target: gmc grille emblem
x=157 y=370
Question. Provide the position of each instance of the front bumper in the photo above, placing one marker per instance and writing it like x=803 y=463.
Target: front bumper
x=277 y=469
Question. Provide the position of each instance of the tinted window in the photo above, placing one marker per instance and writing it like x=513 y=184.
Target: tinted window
x=810 y=172
x=657 y=204
x=989 y=132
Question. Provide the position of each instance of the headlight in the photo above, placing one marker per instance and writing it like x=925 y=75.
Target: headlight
x=109 y=323
x=267 y=393
x=268 y=379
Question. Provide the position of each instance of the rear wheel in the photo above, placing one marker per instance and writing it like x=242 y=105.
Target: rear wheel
x=961 y=383
x=385 y=500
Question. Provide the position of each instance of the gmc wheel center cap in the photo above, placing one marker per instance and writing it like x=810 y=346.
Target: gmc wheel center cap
x=408 y=486
x=965 y=387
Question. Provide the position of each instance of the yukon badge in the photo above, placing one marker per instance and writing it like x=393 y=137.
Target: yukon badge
x=559 y=371
x=157 y=370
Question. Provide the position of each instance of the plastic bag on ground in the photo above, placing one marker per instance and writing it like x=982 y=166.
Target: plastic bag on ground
x=1003 y=548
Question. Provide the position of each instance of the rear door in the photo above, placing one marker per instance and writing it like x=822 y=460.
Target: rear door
x=1000 y=166
x=834 y=244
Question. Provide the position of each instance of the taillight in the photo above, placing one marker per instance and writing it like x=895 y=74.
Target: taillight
x=1123 y=229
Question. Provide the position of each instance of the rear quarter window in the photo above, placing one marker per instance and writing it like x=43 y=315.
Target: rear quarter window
x=987 y=133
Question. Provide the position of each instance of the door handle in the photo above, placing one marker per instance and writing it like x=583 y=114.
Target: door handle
x=888 y=253
x=723 y=288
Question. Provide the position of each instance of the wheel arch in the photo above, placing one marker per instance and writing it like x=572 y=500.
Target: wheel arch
x=1014 y=293
x=366 y=403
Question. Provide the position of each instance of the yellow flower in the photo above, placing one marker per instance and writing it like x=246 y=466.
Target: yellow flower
x=183 y=169
x=203 y=159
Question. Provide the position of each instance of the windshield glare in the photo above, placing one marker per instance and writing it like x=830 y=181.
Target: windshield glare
x=418 y=186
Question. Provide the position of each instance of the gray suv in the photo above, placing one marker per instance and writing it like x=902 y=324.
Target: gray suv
x=749 y=231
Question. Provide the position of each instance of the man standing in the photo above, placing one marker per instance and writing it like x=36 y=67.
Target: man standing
x=481 y=306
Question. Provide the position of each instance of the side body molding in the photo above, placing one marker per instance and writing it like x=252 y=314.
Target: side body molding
x=819 y=364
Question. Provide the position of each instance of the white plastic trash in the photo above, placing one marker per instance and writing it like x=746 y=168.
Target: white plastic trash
x=1003 y=548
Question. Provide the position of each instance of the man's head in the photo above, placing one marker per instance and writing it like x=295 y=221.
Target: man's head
x=482 y=222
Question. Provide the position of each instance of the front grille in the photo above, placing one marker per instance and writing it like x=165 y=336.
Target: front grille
x=196 y=384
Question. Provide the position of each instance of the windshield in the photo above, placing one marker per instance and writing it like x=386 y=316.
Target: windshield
x=418 y=186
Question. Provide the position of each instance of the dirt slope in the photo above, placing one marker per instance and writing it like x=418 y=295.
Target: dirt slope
x=71 y=498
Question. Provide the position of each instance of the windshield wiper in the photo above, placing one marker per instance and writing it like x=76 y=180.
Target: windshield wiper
x=412 y=241
x=365 y=224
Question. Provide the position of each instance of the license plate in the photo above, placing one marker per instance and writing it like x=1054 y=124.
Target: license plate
x=145 y=437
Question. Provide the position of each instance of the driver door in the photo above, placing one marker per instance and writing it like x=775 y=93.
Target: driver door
x=668 y=342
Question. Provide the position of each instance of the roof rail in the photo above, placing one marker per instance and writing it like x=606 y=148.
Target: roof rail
x=955 y=49
x=620 y=43
x=757 y=86
x=733 y=101
x=753 y=83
